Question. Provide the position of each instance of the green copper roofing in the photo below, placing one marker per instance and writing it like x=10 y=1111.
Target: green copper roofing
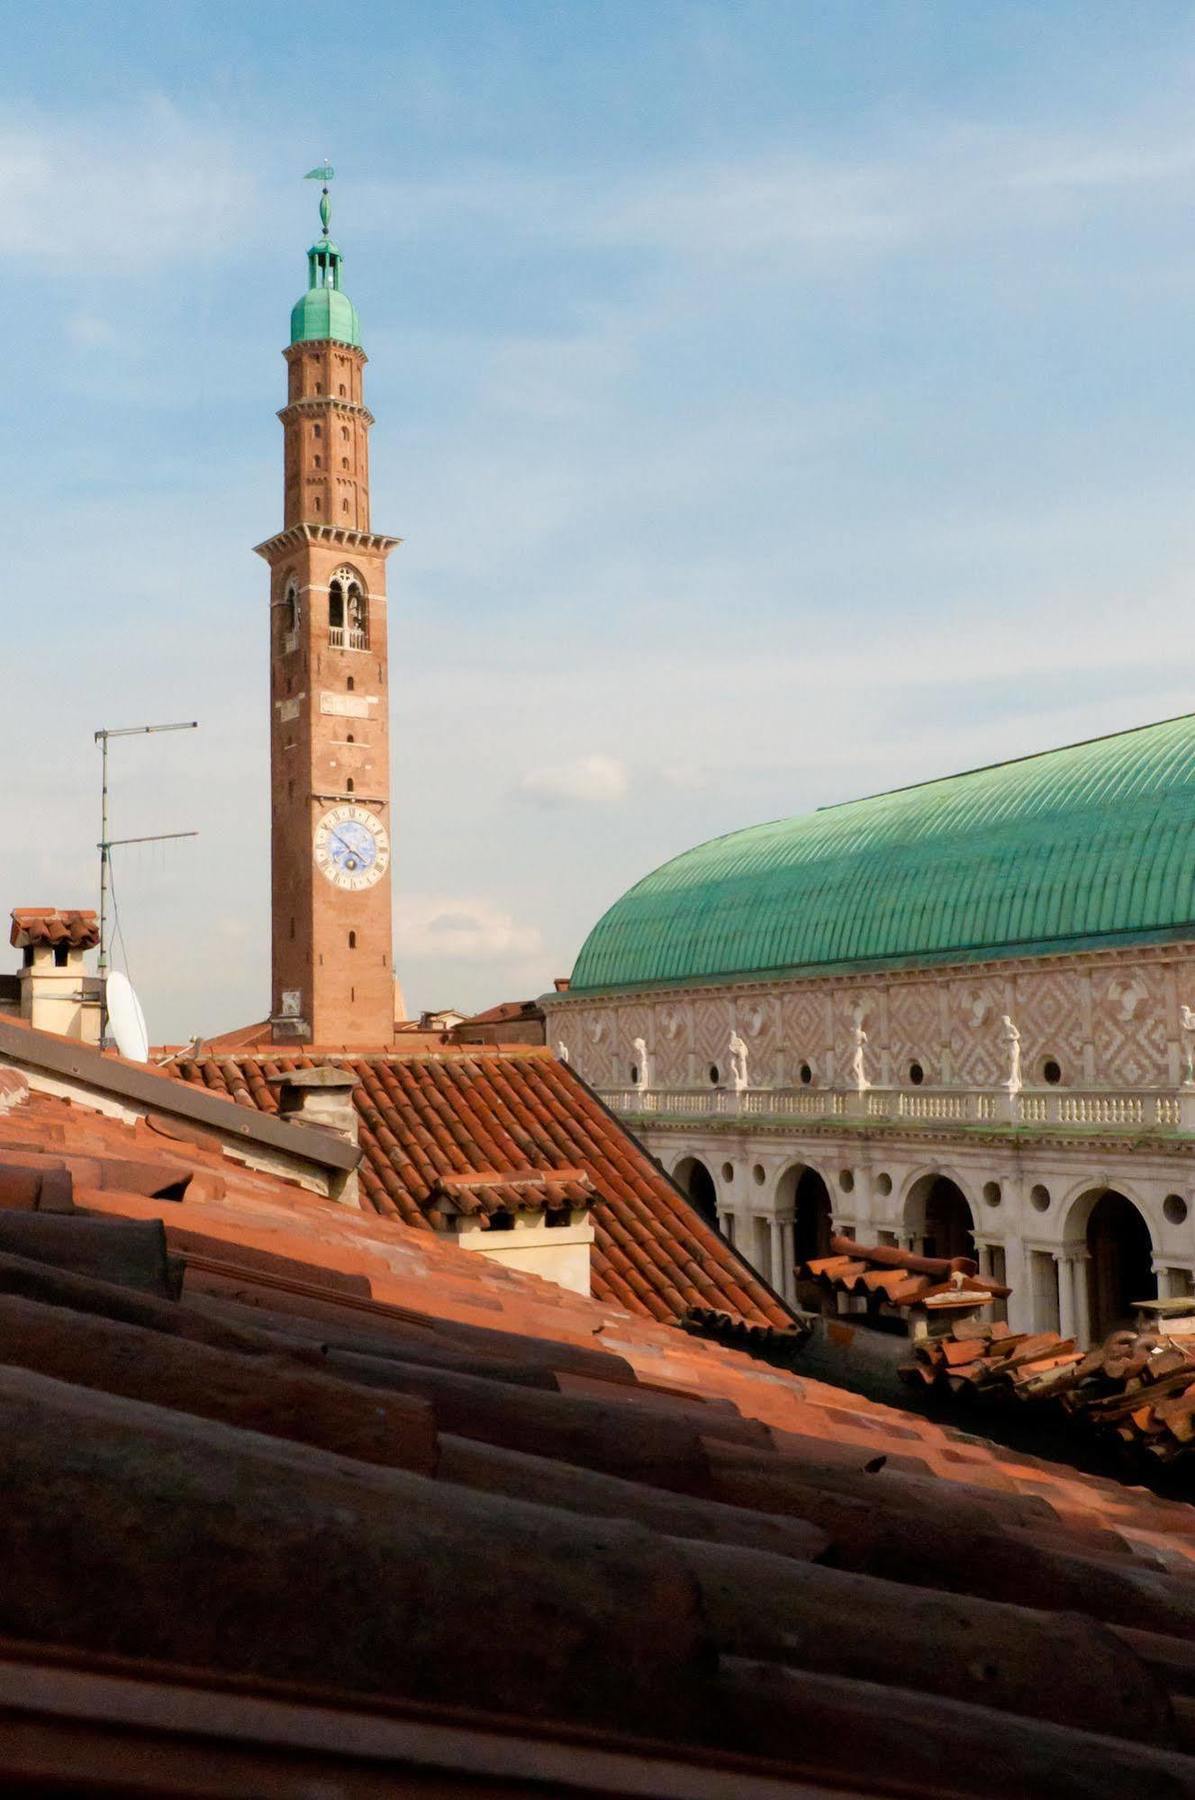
x=1070 y=849
x=324 y=311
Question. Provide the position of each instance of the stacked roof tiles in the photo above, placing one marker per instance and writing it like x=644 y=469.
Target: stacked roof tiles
x=1135 y=1391
x=356 y=1512
x=40 y=925
x=464 y=1117
x=891 y=1280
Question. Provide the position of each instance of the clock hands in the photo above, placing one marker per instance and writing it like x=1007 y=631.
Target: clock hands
x=352 y=851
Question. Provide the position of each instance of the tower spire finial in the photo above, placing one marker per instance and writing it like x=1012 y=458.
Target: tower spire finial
x=324 y=173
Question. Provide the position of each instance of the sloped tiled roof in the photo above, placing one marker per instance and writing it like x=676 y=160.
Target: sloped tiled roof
x=430 y=1115
x=358 y=1502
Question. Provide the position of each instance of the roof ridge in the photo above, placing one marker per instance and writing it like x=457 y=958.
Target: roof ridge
x=1008 y=762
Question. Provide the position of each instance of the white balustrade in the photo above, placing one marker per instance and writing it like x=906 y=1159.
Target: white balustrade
x=1166 y=1110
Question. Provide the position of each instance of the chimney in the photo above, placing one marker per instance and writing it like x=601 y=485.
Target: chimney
x=322 y=1098
x=53 y=990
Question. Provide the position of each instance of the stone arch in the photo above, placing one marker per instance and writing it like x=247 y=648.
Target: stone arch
x=696 y=1179
x=1119 y=1241
x=939 y=1215
x=803 y=1191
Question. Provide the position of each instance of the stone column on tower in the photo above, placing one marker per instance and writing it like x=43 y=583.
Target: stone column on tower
x=332 y=961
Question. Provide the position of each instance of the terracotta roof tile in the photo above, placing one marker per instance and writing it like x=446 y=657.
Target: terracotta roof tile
x=41 y=925
x=434 y=1117
x=663 y=1536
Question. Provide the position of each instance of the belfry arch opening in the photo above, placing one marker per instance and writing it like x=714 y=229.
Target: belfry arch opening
x=804 y=1191
x=1119 y=1261
x=348 y=612
x=692 y=1175
x=939 y=1219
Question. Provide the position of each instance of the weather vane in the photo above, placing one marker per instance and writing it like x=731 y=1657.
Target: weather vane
x=324 y=173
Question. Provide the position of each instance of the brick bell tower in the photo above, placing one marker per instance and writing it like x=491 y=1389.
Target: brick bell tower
x=333 y=970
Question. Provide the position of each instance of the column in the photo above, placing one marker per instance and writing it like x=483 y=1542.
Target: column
x=1066 y=1293
x=1018 y=1275
x=783 y=1237
x=1079 y=1262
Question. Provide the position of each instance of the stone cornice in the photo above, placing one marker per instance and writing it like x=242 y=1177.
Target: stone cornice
x=339 y=537
x=316 y=344
x=1172 y=1144
x=312 y=403
x=847 y=975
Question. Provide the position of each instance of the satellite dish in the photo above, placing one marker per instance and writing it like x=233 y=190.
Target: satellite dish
x=126 y=1019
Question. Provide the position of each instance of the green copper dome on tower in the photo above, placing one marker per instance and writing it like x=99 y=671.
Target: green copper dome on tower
x=325 y=310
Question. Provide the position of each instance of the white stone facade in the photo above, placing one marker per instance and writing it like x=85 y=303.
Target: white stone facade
x=1100 y=1104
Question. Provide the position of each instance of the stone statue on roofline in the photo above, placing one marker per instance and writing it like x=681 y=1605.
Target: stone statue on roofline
x=1012 y=1040
x=562 y=1050
x=859 y=1079
x=640 y=1074
x=1187 y=1021
x=738 y=1063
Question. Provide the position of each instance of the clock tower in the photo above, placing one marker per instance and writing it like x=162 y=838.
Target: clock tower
x=332 y=959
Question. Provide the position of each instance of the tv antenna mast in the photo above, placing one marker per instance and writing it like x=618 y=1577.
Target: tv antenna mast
x=106 y=844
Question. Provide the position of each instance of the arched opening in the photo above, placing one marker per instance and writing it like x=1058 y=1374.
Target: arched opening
x=696 y=1180
x=336 y=612
x=939 y=1217
x=1120 y=1265
x=813 y=1217
x=290 y=610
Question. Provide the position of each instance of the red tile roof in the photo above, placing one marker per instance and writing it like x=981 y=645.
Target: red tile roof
x=427 y=1117
x=364 y=1482
x=51 y=925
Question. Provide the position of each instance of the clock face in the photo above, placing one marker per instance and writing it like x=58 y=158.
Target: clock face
x=351 y=847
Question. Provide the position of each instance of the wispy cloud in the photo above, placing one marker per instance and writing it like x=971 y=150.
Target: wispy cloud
x=586 y=781
x=459 y=930
x=110 y=195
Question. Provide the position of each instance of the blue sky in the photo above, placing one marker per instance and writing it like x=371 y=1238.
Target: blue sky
x=778 y=401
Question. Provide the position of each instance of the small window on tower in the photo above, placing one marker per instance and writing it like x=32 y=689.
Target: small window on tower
x=344 y=434
x=349 y=684
x=350 y=739
x=352 y=940
x=342 y=390
x=348 y=786
x=344 y=506
x=344 y=462
x=317 y=431
x=317 y=462
x=290 y=610
x=336 y=613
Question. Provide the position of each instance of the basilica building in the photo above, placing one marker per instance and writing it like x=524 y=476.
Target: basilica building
x=953 y=1018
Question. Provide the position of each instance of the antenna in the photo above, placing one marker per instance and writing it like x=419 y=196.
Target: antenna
x=106 y=844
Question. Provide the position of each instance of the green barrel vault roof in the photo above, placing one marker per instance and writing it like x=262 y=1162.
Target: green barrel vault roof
x=1076 y=848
